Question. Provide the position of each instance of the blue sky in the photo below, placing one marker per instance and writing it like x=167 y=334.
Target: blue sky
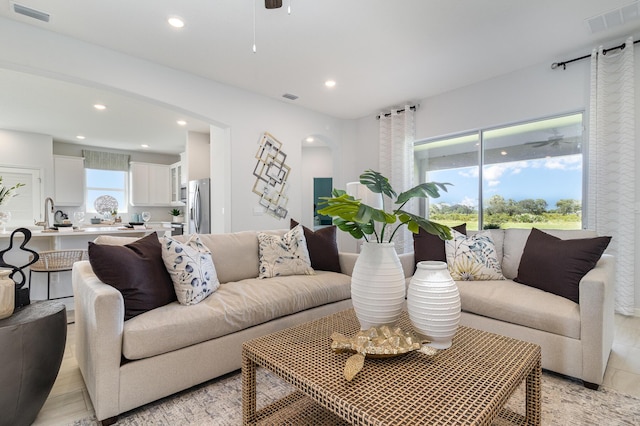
x=551 y=179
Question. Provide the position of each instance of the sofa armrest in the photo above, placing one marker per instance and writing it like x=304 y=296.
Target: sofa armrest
x=99 y=323
x=597 y=318
x=347 y=262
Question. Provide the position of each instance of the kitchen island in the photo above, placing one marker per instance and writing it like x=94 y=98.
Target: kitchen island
x=85 y=233
x=67 y=238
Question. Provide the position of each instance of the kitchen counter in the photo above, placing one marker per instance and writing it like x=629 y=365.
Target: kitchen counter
x=78 y=238
x=89 y=230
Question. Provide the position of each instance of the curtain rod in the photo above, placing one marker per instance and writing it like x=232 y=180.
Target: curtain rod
x=412 y=108
x=605 y=51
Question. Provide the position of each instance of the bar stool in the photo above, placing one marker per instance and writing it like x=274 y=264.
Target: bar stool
x=55 y=261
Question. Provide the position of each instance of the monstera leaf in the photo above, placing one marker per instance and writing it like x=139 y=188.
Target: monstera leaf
x=358 y=219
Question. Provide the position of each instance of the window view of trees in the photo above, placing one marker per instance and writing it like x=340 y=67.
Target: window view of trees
x=501 y=213
x=517 y=176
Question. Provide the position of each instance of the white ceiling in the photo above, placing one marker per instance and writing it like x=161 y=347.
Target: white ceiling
x=381 y=53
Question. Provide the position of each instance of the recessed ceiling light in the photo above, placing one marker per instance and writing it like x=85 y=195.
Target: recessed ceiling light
x=181 y=122
x=80 y=137
x=309 y=139
x=503 y=152
x=175 y=22
x=330 y=83
x=100 y=107
x=144 y=145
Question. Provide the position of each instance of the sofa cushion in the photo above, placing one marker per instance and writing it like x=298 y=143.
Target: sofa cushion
x=137 y=271
x=233 y=307
x=515 y=303
x=285 y=255
x=322 y=246
x=515 y=240
x=556 y=265
x=427 y=246
x=191 y=269
x=473 y=257
x=235 y=255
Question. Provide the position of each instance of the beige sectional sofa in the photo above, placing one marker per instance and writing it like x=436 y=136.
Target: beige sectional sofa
x=576 y=339
x=126 y=364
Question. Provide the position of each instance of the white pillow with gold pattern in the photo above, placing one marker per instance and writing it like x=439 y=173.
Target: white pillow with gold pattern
x=286 y=255
x=473 y=257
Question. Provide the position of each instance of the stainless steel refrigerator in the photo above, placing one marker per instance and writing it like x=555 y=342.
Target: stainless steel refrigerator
x=199 y=206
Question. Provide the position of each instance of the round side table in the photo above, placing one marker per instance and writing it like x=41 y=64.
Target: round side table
x=32 y=344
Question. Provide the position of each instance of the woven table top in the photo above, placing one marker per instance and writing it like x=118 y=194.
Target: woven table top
x=469 y=383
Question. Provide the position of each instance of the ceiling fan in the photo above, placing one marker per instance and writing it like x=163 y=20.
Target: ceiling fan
x=553 y=141
x=272 y=4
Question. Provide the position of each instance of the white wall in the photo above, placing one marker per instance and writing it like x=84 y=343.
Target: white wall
x=245 y=115
x=30 y=151
x=198 y=156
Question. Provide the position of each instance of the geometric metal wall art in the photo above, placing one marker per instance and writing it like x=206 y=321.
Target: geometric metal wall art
x=271 y=174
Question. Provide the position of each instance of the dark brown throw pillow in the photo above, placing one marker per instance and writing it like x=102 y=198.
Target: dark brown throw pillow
x=557 y=266
x=430 y=247
x=322 y=246
x=137 y=271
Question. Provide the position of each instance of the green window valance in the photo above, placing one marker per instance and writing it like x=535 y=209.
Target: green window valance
x=105 y=160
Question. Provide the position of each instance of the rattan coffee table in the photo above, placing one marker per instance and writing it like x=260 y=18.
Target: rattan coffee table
x=467 y=384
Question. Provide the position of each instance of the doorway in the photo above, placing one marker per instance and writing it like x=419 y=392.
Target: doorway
x=322 y=187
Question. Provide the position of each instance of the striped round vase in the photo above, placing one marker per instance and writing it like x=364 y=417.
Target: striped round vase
x=433 y=303
x=377 y=285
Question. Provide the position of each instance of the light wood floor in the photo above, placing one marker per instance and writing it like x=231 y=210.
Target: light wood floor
x=69 y=400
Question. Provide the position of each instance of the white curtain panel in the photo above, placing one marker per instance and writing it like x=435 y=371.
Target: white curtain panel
x=397 y=134
x=611 y=174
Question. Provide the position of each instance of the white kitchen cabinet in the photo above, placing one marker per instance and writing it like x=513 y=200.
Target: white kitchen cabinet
x=68 y=180
x=176 y=182
x=150 y=184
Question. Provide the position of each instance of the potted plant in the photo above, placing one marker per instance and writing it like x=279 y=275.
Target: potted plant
x=377 y=283
x=358 y=219
x=176 y=216
x=5 y=195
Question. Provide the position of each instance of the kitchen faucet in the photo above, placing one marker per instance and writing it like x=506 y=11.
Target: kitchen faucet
x=46 y=223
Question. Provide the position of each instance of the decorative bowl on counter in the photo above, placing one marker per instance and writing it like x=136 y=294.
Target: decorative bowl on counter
x=136 y=223
x=62 y=225
x=96 y=221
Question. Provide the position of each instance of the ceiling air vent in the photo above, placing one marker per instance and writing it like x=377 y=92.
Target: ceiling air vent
x=290 y=96
x=614 y=18
x=31 y=13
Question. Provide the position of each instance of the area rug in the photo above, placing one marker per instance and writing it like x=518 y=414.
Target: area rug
x=218 y=402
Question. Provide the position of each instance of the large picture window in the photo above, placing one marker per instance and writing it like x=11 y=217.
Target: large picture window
x=517 y=176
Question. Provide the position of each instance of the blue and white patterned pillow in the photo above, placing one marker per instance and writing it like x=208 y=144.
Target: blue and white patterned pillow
x=472 y=258
x=286 y=255
x=191 y=269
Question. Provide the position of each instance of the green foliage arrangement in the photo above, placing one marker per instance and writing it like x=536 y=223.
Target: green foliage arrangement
x=358 y=219
x=7 y=193
x=175 y=212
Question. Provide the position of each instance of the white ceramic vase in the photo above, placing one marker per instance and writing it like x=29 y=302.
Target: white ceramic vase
x=433 y=303
x=377 y=285
x=7 y=294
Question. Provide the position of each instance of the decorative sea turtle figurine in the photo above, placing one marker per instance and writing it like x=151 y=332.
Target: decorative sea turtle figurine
x=376 y=342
